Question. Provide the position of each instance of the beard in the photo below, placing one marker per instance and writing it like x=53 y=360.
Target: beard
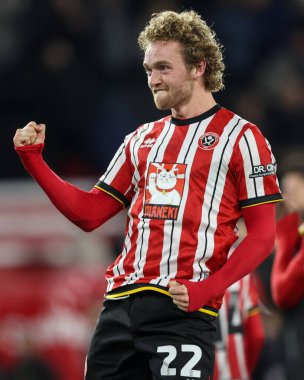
x=164 y=101
x=173 y=96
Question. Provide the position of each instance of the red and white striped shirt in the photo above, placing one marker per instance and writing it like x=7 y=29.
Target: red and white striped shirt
x=186 y=182
x=233 y=347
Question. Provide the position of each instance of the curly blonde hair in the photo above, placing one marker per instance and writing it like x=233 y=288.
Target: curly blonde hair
x=197 y=38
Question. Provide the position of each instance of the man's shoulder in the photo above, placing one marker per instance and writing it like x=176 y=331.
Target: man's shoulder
x=153 y=124
x=159 y=121
x=145 y=128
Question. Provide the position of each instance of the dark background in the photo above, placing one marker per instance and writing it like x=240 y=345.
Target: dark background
x=75 y=66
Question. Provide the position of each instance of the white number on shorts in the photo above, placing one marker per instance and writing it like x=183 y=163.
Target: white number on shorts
x=165 y=370
x=187 y=369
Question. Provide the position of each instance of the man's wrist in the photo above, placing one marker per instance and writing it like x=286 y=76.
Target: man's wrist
x=199 y=293
x=37 y=148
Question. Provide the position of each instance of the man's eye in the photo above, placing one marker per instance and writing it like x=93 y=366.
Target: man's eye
x=148 y=72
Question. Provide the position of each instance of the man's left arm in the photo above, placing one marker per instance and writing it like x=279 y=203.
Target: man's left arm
x=252 y=251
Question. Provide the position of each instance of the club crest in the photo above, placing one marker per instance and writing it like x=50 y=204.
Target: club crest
x=208 y=141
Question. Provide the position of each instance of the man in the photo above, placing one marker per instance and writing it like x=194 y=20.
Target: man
x=240 y=334
x=186 y=179
x=287 y=277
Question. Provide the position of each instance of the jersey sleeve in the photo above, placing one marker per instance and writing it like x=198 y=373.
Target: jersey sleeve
x=117 y=181
x=255 y=167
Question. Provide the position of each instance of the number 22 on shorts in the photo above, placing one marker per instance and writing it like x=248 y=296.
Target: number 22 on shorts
x=187 y=370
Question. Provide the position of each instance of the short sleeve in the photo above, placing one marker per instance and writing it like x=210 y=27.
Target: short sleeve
x=255 y=169
x=117 y=180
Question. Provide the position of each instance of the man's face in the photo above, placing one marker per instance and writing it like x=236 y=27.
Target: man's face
x=169 y=79
x=293 y=191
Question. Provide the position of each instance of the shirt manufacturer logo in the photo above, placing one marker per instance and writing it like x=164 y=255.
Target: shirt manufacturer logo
x=148 y=143
x=208 y=141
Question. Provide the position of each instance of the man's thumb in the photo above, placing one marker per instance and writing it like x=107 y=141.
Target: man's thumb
x=40 y=128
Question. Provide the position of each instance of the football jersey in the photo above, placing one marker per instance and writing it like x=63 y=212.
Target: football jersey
x=185 y=182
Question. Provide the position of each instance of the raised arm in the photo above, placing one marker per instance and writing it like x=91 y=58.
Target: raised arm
x=88 y=210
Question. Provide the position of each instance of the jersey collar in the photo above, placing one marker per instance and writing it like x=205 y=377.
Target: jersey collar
x=196 y=119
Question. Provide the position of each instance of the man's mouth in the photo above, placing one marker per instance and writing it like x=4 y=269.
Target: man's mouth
x=160 y=91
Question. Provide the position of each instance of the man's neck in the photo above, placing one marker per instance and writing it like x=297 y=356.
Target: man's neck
x=196 y=106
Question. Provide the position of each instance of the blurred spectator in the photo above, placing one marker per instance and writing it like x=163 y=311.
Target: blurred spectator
x=288 y=270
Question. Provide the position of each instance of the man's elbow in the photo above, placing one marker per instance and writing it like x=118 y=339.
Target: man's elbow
x=86 y=228
x=87 y=225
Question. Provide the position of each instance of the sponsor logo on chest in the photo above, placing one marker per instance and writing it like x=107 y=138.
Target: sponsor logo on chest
x=164 y=189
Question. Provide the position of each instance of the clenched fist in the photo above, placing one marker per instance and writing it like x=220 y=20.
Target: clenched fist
x=179 y=294
x=31 y=134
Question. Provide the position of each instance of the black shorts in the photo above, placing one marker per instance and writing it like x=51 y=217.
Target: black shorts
x=146 y=337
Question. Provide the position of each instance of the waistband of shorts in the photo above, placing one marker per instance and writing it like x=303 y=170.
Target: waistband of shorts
x=133 y=289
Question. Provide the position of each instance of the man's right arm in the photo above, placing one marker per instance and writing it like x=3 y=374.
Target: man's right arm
x=88 y=210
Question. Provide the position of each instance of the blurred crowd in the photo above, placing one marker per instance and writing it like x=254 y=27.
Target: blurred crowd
x=75 y=66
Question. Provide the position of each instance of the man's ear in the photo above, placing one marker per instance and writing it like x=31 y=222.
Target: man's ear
x=199 y=69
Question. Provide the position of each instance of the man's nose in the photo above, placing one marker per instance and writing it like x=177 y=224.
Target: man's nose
x=155 y=78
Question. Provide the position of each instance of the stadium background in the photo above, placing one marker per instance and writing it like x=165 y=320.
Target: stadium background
x=75 y=66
